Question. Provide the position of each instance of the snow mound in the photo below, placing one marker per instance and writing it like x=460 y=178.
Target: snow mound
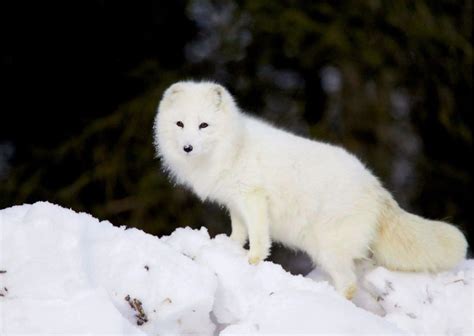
x=66 y=272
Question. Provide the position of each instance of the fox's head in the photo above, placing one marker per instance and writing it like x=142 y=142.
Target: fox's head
x=194 y=122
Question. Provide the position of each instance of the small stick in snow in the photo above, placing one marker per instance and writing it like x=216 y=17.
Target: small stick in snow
x=3 y=271
x=136 y=305
x=458 y=280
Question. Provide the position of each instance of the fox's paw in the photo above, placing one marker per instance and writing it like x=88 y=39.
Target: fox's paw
x=350 y=291
x=255 y=258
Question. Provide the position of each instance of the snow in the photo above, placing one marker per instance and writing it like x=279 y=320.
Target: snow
x=427 y=304
x=68 y=273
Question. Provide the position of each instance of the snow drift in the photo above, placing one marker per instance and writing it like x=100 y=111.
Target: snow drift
x=66 y=272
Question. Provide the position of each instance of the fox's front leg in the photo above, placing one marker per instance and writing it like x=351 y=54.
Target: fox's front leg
x=255 y=215
x=239 y=230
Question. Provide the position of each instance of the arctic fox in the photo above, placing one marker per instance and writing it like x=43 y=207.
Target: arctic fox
x=305 y=194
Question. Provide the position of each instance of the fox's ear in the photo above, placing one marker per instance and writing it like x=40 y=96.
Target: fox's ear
x=221 y=97
x=217 y=93
x=171 y=93
x=173 y=90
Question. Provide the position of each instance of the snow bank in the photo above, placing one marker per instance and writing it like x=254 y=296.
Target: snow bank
x=64 y=272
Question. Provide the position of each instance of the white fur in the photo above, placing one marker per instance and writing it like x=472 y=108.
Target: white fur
x=305 y=194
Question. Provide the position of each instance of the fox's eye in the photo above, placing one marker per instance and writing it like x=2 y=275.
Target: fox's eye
x=180 y=124
x=203 y=125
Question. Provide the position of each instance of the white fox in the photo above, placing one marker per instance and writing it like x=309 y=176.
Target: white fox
x=305 y=194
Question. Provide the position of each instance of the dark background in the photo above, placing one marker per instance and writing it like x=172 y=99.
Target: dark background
x=389 y=80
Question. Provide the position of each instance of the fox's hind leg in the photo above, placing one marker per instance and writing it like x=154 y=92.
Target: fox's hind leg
x=336 y=245
x=341 y=270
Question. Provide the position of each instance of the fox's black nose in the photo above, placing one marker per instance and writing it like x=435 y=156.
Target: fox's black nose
x=188 y=148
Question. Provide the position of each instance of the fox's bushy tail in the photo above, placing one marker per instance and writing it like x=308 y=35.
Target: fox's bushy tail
x=407 y=242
